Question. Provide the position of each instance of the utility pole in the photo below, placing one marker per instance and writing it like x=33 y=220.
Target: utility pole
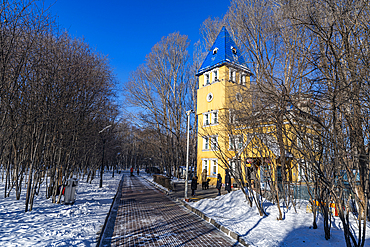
x=187 y=155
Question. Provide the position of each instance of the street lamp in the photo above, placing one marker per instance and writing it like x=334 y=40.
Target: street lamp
x=102 y=160
x=187 y=155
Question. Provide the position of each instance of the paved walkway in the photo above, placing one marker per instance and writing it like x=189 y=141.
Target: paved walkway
x=147 y=217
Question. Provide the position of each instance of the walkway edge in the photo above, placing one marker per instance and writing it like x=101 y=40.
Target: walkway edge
x=98 y=242
x=225 y=230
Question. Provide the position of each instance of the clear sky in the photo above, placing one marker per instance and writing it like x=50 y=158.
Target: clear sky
x=127 y=30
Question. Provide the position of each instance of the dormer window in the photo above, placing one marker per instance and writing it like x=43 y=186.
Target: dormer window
x=233 y=49
x=215 y=51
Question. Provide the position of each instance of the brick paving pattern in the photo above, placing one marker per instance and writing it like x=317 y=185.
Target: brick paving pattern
x=147 y=217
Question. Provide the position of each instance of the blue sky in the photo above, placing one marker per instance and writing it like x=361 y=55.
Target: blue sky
x=127 y=30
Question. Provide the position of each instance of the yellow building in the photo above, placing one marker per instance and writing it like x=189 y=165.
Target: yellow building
x=223 y=80
x=222 y=77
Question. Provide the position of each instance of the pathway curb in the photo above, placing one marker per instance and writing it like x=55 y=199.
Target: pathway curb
x=102 y=230
x=202 y=215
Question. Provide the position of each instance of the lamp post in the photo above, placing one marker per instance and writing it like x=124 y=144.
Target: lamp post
x=187 y=155
x=102 y=160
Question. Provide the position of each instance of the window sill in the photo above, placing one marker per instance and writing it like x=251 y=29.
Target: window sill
x=208 y=125
x=204 y=85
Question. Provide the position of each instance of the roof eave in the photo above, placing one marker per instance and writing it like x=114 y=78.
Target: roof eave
x=226 y=61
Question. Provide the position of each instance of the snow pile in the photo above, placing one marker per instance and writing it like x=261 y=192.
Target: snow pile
x=233 y=211
x=51 y=224
x=151 y=179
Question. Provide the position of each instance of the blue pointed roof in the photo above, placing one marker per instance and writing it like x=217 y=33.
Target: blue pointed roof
x=223 y=50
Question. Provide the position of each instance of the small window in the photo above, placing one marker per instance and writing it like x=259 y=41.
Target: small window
x=214 y=168
x=233 y=75
x=243 y=79
x=210 y=118
x=205 y=165
x=206 y=120
x=233 y=119
x=233 y=49
x=214 y=143
x=207 y=79
x=236 y=142
x=205 y=143
x=215 y=117
x=239 y=141
x=239 y=97
x=209 y=97
x=215 y=75
x=215 y=51
x=299 y=143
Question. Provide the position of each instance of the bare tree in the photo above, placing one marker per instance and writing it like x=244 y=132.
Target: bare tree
x=160 y=88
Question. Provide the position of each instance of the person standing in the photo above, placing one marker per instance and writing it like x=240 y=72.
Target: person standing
x=193 y=186
x=219 y=183
x=227 y=181
x=138 y=171
x=131 y=171
x=204 y=179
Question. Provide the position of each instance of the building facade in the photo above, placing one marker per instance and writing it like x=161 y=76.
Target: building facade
x=222 y=78
x=224 y=83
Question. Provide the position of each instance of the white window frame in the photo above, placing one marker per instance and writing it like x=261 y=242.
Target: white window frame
x=232 y=75
x=214 y=77
x=232 y=165
x=213 y=166
x=205 y=165
x=299 y=142
x=236 y=140
x=211 y=118
x=300 y=171
x=232 y=117
x=243 y=79
x=209 y=164
x=206 y=119
x=207 y=76
x=206 y=143
x=214 y=117
x=213 y=142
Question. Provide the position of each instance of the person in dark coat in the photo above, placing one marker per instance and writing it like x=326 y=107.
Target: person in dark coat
x=227 y=181
x=204 y=179
x=138 y=171
x=219 y=183
x=194 y=183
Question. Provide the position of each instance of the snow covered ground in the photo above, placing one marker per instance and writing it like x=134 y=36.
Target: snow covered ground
x=232 y=211
x=51 y=224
